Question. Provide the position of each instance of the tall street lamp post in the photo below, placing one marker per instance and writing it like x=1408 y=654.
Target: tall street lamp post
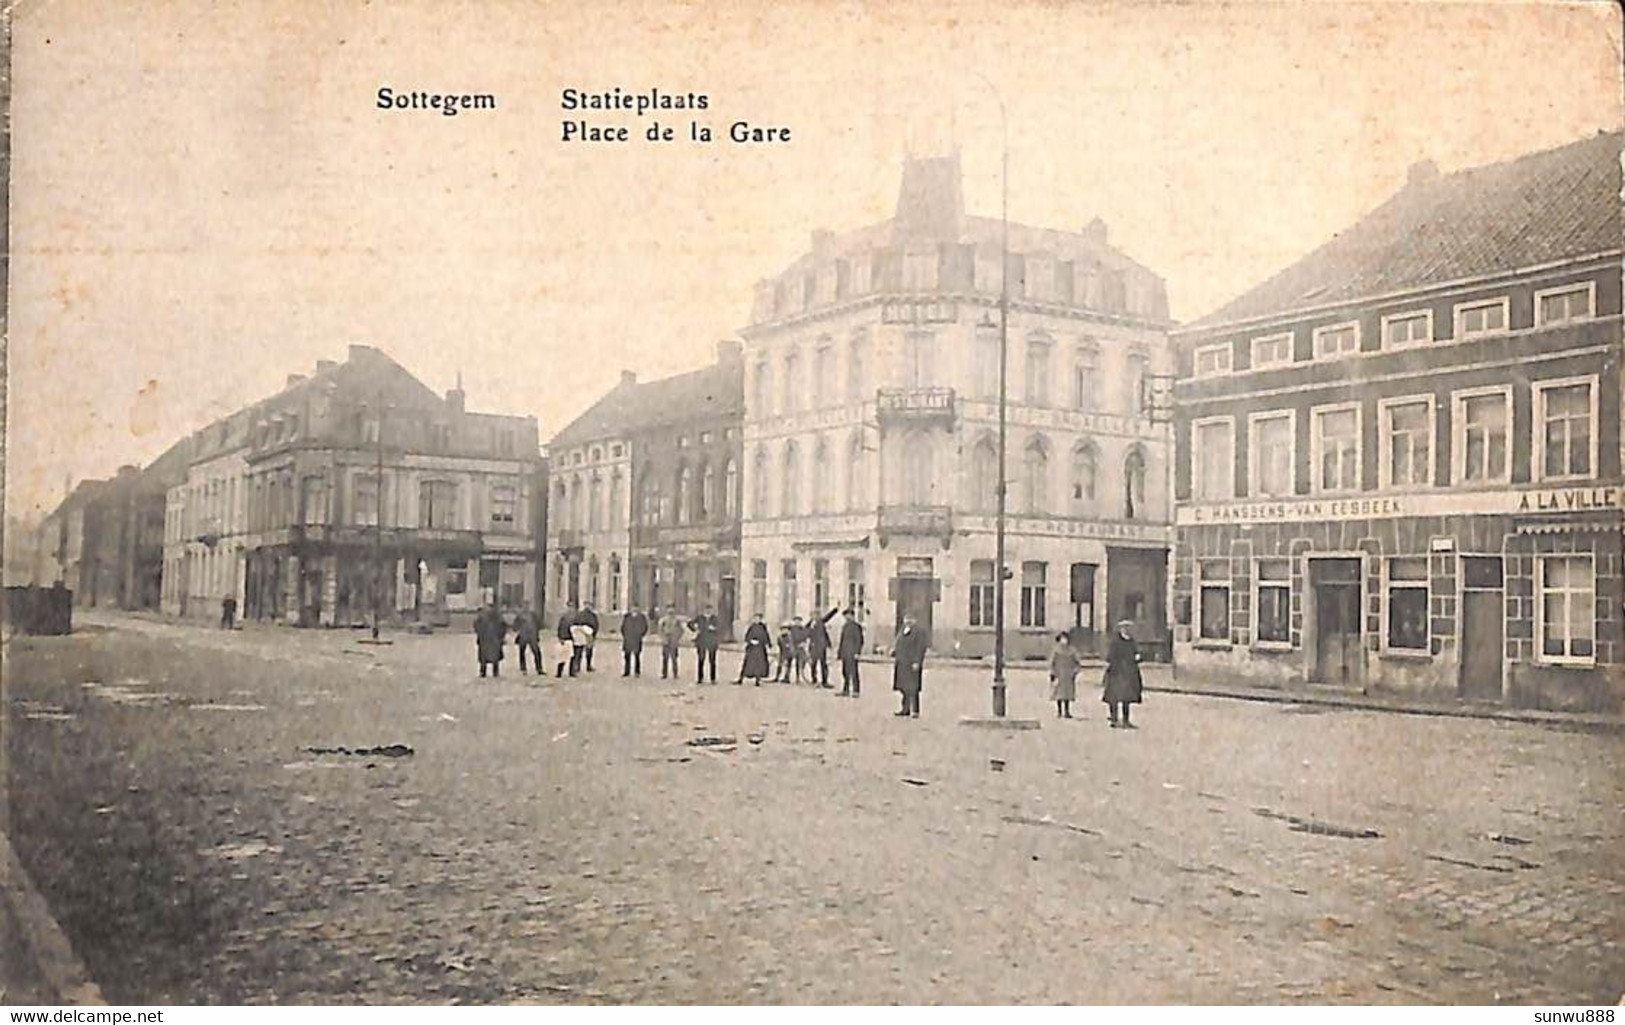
x=1004 y=363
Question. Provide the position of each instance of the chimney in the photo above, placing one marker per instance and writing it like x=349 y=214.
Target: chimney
x=629 y=377
x=324 y=365
x=1096 y=231
x=1421 y=172
x=730 y=351
x=294 y=379
x=456 y=398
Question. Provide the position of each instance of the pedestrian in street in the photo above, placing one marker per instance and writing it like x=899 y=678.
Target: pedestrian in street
x=581 y=641
x=849 y=647
x=707 y=637
x=798 y=646
x=908 y=666
x=589 y=619
x=490 y=631
x=671 y=641
x=1063 y=675
x=757 y=639
x=634 y=627
x=818 y=648
x=527 y=637
x=228 y=614
x=1123 y=683
x=787 y=653
x=567 y=648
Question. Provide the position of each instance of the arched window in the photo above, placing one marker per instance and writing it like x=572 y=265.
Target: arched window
x=857 y=367
x=1085 y=361
x=730 y=490
x=984 y=477
x=685 y=494
x=1037 y=369
x=762 y=398
x=561 y=506
x=1035 y=478
x=703 y=500
x=617 y=501
x=823 y=367
x=790 y=496
x=1085 y=468
x=821 y=497
x=1139 y=391
x=647 y=502
x=1134 y=484
x=595 y=500
x=918 y=473
x=857 y=472
x=759 y=486
x=792 y=381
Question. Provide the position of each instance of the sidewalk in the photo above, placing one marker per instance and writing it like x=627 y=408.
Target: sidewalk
x=39 y=966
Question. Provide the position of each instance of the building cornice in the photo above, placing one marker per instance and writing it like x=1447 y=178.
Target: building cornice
x=977 y=299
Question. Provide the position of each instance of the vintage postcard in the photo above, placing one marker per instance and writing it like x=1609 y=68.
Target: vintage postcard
x=815 y=503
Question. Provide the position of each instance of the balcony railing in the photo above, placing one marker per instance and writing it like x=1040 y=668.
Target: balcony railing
x=915 y=521
x=914 y=403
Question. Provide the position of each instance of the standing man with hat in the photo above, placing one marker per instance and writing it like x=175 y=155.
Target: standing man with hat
x=908 y=666
x=1123 y=683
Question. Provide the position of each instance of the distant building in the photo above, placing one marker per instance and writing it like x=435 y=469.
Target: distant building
x=872 y=368
x=1399 y=458
x=352 y=489
x=645 y=496
x=686 y=458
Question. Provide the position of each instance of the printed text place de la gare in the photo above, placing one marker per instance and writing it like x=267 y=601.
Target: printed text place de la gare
x=449 y=104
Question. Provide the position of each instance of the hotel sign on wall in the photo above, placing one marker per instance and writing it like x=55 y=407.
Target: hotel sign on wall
x=919 y=311
x=1542 y=501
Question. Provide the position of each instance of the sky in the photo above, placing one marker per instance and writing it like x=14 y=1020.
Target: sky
x=205 y=197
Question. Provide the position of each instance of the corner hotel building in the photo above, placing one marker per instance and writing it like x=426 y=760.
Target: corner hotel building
x=1398 y=461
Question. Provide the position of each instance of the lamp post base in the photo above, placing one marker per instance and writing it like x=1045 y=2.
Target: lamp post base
x=998 y=700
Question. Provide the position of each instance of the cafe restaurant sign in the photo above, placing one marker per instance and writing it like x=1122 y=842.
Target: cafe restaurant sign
x=1507 y=502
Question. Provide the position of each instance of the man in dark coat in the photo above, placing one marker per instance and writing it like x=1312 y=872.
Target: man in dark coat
x=1123 y=683
x=567 y=621
x=589 y=619
x=908 y=669
x=798 y=646
x=489 y=633
x=707 y=636
x=527 y=636
x=818 y=648
x=848 y=648
x=757 y=643
x=634 y=627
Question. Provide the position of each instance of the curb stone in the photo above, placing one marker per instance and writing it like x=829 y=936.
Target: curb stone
x=47 y=946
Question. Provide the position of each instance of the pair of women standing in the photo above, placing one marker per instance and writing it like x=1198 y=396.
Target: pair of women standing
x=1123 y=686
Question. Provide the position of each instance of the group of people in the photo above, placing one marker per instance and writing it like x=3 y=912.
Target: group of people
x=802 y=647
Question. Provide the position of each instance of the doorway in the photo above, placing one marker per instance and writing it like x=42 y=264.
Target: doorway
x=1336 y=587
x=916 y=585
x=1082 y=595
x=727 y=605
x=1482 y=628
x=1136 y=586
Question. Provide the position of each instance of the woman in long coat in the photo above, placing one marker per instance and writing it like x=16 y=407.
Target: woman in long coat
x=756 y=641
x=1123 y=684
x=1063 y=676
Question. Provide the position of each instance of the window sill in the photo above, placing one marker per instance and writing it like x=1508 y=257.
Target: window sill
x=1273 y=647
x=1211 y=644
x=1404 y=655
x=1567 y=663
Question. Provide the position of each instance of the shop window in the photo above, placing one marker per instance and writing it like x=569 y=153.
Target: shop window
x=457 y=577
x=1034 y=593
x=820 y=586
x=1215 y=599
x=981 y=592
x=1408 y=603
x=1567 y=609
x=1274 y=601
